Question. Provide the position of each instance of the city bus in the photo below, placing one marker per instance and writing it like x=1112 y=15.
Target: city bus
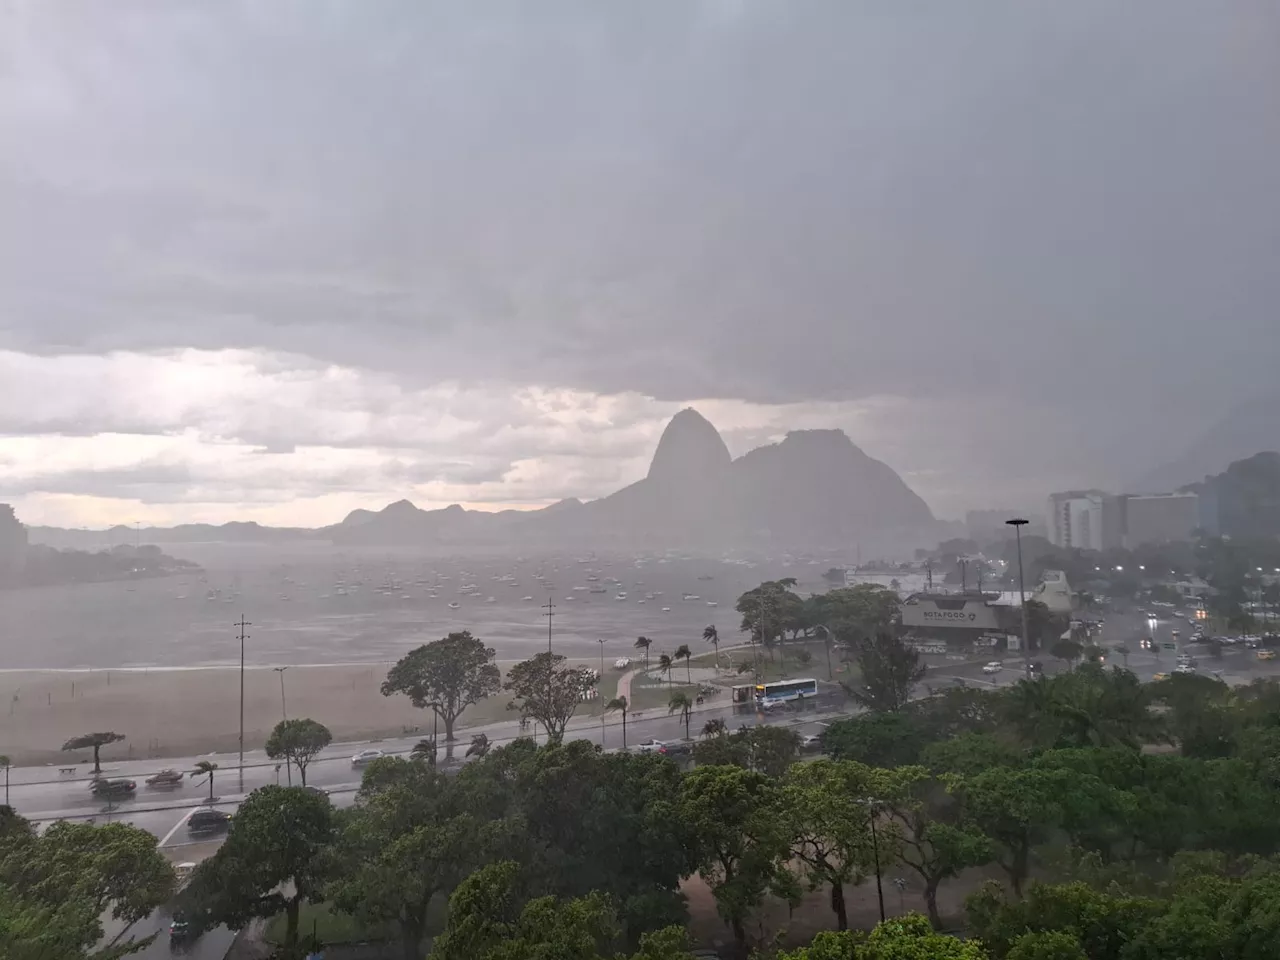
x=781 y=691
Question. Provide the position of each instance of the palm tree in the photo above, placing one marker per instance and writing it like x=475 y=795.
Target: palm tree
x=6 y=763
x=712 y=636
x=684 y=653
x=664 y=666
x=206 y=768
x=681 y=702
x=479 y=746
x=714 y=728
x=643 y=643
x=620 y=705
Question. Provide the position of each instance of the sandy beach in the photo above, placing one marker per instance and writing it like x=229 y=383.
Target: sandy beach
x=185 y=712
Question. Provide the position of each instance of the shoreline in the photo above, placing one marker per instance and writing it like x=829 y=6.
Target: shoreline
x=188 y=711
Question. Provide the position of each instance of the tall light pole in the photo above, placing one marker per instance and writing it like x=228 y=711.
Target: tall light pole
x=870 y=803
x=241 y=624
x=600 y=640
x=284 y=713
x=1018 y=523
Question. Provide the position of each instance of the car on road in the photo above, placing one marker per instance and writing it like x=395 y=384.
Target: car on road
x=366 y=756
x=1145 y=643
x=165 y=778
x=318 y=791
x=1161 y=676
x=1266 y=654
x=651 y=746
x=995 y=666
x=207 y=822
x=113 y=788
x=180 y=928
x=811 y=741
x=1185 y=668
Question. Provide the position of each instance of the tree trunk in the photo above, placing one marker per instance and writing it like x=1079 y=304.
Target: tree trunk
x=931 y=903
x=302 y=772
x=449 y=720
x=411 y=939
x=739 y=932
x=624 y=729
x=291 y=921
x=1018 y=873
x=838 y=905
x=97 y=765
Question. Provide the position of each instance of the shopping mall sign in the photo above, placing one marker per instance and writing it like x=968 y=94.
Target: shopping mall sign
x=968 y=613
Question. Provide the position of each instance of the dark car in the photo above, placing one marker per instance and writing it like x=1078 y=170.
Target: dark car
x=207 y=822
x=318 y=791
x=165 y=778
x=113 y=787
x=180 y=927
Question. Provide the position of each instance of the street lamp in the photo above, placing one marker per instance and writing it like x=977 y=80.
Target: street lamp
x=1018 y=523
x=284 y=713
x=870 y=803
x=599 y=685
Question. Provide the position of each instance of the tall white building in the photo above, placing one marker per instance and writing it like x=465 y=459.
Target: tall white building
x=1075 y=519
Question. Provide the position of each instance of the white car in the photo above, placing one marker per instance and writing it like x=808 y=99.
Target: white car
x=1184 y=668
x=651 y=746
x=995 y=666
x=811 y=741
x=366 y=756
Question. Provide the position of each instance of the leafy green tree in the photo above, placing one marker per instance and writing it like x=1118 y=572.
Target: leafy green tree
x=1101 y=923
x=298 y=741
x=970 y=753
x=449 y=674
x=409 y=838
x=876 y=739
x=273 y=859
x=1066 y=649
x=715 y=727
x=95 y=742
x=1017 y=808
x=855 y=613
x=425 y=751
x=888 y=673
x=599 y=821
x=664 y=667
x=205 y=768
x=828 y=819
x=480 y=745
x=487 y=922
x=936 y=843
x=771 y=750
x=908 y=937
x=1047 y=945
x=734 y=838
x=56 y=887
x=682 y=703
x=770 y=610
x=542 y=688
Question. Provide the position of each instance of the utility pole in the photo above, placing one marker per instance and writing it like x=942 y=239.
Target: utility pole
x=1018 y=523
x=599 y=683
x=284 y=713
x=551 y=612
x=241 y=624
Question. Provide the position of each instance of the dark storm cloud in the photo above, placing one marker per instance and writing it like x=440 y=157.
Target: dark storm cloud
x=1075 y=204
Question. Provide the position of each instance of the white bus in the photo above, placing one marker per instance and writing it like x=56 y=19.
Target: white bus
x=781 y=691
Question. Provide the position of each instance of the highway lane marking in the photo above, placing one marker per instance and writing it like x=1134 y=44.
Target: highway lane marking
x=176 y=827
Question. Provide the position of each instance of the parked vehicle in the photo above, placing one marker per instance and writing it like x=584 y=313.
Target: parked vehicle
x=811 y=741
x=1266 y=654
x=651 y=746
x=995 y=666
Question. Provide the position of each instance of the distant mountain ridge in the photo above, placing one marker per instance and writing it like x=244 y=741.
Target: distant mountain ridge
x=813 y=488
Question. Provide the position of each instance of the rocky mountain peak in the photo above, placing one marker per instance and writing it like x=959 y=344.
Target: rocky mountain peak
x=691 y=450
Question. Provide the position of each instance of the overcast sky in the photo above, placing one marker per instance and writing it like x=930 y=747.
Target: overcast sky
x=278 y=260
